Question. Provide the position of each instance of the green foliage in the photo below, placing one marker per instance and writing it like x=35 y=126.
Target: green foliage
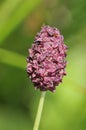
x=12 y=59
x=12 y=13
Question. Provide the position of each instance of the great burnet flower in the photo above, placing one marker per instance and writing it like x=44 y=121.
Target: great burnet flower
x=46 y=61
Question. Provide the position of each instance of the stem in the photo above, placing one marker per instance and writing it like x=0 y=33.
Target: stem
x=39 y=112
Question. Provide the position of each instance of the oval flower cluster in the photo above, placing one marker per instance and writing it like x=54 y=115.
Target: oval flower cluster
x=46 y=61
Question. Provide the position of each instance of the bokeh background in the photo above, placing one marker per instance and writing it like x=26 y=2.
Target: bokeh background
x=20 y=20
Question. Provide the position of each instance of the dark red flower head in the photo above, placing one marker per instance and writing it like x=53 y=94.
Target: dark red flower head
x=46 y=61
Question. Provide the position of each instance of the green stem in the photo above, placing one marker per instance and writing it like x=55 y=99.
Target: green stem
x=39 y=112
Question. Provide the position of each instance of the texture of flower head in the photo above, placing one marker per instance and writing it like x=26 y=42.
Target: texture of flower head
x=46 y=61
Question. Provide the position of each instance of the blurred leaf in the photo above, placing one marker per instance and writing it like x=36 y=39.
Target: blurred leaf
x=12 y=58
x=12 y=13
x=13 y=119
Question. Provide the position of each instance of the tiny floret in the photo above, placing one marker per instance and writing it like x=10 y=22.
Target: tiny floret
x=46 y=61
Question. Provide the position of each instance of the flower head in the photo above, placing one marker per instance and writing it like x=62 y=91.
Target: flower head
x=46 y=61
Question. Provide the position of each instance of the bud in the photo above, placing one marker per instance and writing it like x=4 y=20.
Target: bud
x=46 y=61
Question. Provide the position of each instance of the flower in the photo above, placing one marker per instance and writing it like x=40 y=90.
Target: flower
x=46 y=61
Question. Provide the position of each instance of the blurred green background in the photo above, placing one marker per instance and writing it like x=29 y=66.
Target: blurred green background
x=20 y=20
